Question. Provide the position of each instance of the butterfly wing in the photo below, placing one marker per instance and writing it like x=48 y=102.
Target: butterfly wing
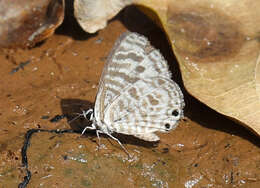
x=131 y=58
x=149 y=105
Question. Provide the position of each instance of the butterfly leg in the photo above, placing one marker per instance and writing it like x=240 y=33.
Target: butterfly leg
x=97 y=132
x=114 y=138
x=92 y=127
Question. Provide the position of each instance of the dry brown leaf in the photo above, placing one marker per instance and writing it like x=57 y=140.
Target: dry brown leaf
x=23 y=23
x=216 y=44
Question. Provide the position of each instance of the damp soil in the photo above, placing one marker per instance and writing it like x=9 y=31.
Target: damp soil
x=47 y=85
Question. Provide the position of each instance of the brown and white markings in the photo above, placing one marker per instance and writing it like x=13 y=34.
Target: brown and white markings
x=136 y=95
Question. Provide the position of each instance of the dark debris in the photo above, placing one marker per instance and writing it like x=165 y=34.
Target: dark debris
x=26 y=145
x=57 y=118
x=45 y=117
x=20 y=66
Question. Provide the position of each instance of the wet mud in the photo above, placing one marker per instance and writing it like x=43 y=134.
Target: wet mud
x=45 y=86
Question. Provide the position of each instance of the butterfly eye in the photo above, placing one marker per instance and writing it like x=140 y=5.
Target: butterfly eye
x=167 y=125
x=175 y=113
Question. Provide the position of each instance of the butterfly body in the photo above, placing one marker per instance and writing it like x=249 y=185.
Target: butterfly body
x=136 y=95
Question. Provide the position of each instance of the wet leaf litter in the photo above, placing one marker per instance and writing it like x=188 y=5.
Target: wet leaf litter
x=132 y=44
x=89 y=161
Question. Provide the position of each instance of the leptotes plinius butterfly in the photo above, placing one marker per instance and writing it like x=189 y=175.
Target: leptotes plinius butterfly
x=136 y=95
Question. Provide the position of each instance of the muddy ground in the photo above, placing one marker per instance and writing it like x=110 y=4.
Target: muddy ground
x=60 y=76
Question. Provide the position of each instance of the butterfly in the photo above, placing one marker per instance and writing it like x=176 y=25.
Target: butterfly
x=136 y=95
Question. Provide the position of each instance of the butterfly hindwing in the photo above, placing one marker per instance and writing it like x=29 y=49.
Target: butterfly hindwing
x=147 y=106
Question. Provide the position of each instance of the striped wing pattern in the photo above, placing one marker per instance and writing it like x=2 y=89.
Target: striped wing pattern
x=136 y=95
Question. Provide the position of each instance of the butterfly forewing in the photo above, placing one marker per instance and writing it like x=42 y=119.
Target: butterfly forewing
x=136 y=95
x=131 y=58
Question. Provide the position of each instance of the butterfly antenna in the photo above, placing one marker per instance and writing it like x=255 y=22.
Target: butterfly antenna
x=78 y=115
